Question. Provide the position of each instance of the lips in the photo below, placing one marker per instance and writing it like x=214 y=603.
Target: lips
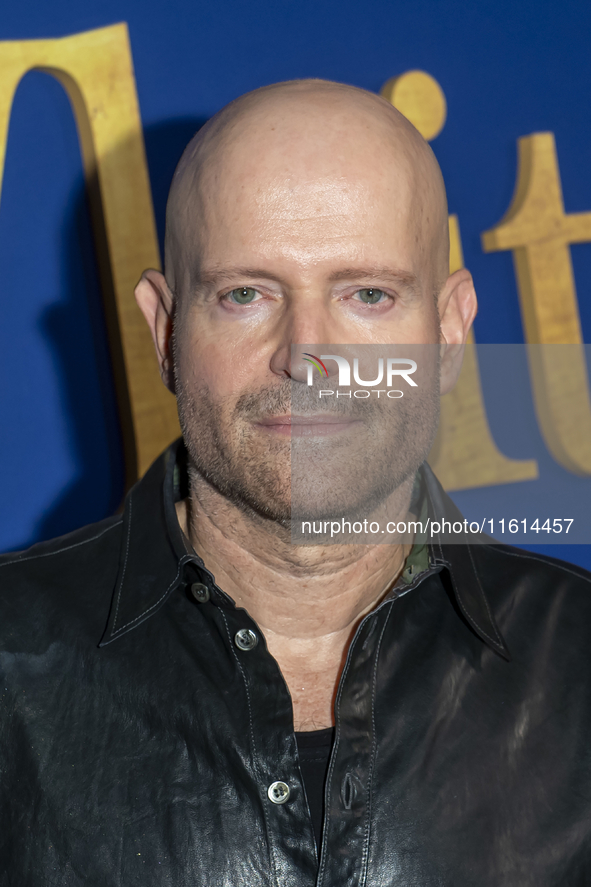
x=308 y=425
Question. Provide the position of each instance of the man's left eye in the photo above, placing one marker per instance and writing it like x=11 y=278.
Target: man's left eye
x=243 y=295
x=371 y=296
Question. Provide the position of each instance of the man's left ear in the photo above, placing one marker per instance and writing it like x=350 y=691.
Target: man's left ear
x=457 y=310
x=157 y=305
x=457 y=307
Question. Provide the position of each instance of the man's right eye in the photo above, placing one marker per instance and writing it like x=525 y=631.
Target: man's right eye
x=242 y=296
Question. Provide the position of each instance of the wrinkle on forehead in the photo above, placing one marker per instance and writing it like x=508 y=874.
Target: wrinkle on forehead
x=319 y=139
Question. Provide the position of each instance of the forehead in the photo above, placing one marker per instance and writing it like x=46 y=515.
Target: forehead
x=312 y=179
x=309 y=186
x=307 y=142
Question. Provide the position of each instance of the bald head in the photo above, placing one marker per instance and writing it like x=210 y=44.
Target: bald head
x=329 y=144
x=302 y=214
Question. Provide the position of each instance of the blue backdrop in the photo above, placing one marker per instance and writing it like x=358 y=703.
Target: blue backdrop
x=507 y=69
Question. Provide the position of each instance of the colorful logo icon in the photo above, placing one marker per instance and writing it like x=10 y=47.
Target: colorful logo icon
x=315 y=361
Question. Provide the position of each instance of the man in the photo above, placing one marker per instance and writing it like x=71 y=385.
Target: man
x=189 y=698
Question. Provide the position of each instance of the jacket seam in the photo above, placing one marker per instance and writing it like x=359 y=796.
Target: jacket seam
x=331 y=767
x=252 y=744
x=374 y=748
x=490 y=616
x=33 y=557
x=124 y=565
x=470 y=618
x=541 y=560
x=334 y=752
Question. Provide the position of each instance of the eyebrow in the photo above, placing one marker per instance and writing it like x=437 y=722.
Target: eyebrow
x=215 y=275
x=406 y=278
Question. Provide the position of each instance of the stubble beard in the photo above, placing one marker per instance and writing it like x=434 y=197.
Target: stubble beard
x=225 y=455
x=275 y=479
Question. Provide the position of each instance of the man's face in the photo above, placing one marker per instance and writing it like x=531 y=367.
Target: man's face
x=321 y=243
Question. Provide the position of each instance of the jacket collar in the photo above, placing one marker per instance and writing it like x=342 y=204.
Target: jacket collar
x=153 y=560
x=458 y=559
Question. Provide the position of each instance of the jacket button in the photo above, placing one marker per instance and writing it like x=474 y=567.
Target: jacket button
x=245 y=639
x=278 y=792
x=200 y=592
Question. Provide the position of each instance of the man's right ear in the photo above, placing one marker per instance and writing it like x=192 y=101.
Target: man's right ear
x=156 y=303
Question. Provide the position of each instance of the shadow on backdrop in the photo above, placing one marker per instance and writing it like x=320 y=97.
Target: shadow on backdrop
x=76 y=328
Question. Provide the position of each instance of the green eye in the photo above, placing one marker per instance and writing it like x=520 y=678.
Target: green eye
x=243 y=295
x=370 y=296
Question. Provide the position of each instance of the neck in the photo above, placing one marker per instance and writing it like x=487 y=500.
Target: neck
x=307 y=600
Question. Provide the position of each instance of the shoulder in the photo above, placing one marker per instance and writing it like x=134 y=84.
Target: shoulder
x=540 y=603
x=527 y=569
x=63 y=550
x=62 y=580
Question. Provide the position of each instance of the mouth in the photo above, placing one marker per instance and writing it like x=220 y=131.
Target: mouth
x=309 y=425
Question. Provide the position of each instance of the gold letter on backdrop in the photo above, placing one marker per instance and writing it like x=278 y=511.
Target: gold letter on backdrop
x=539 y=232
x=96 y=70
x=464 y=454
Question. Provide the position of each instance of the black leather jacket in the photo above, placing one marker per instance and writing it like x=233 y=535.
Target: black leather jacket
x=138 y=741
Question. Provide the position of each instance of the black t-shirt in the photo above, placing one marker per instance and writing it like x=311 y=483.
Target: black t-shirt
x=314 y=749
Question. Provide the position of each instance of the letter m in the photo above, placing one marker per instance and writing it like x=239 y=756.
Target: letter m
x=96 y=70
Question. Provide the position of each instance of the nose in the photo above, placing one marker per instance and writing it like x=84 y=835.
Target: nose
x=306 y=325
